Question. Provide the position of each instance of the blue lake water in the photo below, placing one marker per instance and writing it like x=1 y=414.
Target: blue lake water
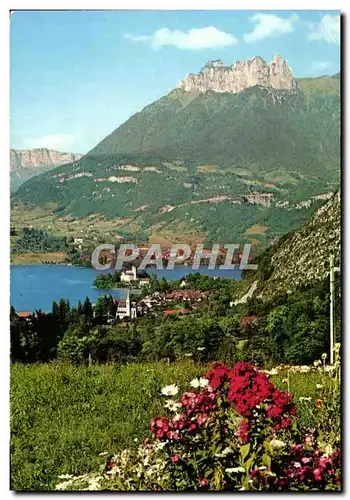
x=37 y=286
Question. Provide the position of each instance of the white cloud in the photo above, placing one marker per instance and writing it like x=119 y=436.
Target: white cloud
x=136 y=38
x=268 y=25
x=56 y=141
x=193 y=39
x=328 y=29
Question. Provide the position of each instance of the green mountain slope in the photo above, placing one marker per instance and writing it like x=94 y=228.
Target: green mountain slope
x=21 y=175
x=274 y=129
x=301 y=257
x=218 y=163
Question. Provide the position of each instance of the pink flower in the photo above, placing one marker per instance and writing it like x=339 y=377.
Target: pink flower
x=201 y=419
x=317 y=475
x=203 y=481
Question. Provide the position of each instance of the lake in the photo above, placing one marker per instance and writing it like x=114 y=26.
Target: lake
x=37 y=286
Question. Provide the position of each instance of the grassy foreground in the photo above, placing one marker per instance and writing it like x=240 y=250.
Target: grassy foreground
x=63 y=416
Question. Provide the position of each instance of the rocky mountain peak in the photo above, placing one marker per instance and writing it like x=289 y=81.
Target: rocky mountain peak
x=241 y=75
x=39 y=157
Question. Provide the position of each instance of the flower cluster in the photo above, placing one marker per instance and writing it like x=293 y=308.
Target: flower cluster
x=309 y=467
x=253 y=395
x=192 y=412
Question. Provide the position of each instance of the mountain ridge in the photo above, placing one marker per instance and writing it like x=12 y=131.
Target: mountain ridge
x=240 y=75
x=27 y=163
x=39 y=157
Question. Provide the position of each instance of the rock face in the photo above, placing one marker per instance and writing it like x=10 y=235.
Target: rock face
x=240 y=76
x=302 y=257
x=29 y=158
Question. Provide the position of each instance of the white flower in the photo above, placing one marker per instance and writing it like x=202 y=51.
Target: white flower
x=318 y=362
x=65 y=476
x=235 y=470
x=224 y=453
x=319 y=386
x=297 y=465
x=242 y=489
x=199 y=382
x=227 y=451
x=263 y=467
x=277 y=444
x=329 y=368
x=170 y=390
x=304 y=369
x=301 y=399
x=328 y=449
x=160 y=445
x=63 y=486
x=273 y=371
x=201 y=348
x=194 y=383
x=103 y=454
x=188 y=354
x=172 y=405
x=324 y=356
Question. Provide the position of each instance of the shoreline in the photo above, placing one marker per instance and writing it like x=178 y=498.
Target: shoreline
x=44 y=258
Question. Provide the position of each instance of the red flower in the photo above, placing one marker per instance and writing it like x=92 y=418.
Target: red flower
x=203 y=481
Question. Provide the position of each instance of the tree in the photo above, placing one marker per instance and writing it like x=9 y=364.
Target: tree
x=55 y=309
x=87 y=309
x=80 y=310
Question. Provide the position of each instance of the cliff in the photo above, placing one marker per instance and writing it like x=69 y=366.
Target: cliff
x=301 y=257
x=240 y=76
x=41 y=157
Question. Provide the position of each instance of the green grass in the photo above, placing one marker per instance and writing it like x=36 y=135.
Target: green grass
x=302 y=385
x=63 y=416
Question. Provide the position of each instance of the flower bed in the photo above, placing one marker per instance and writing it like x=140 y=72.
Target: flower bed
x=234 y=430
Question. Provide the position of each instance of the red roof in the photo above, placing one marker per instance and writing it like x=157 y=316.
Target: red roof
x=247 y=320
x=24 y=314
x=167 y=312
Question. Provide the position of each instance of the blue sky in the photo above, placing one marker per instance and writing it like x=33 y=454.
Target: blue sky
x=76 y=76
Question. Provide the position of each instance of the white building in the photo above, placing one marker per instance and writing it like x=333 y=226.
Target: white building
x=125 y=309
x=129 y=275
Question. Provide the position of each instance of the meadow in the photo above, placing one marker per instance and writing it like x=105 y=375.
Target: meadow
x=63 y=416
